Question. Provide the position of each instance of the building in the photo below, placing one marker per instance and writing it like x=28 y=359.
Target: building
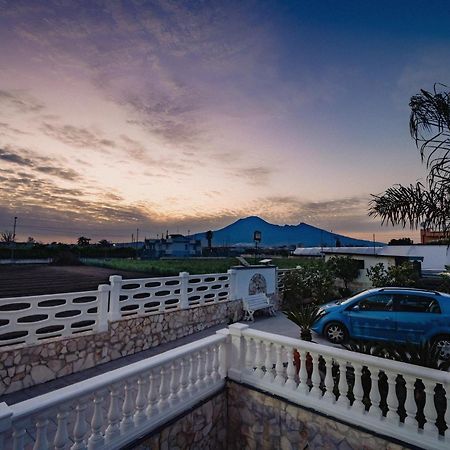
x=427 y=236
x=175 y=246
x=367 y=258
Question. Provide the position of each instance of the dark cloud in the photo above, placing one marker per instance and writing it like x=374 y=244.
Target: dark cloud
x=11 y=157
x=256 y=175
x=20 y=101
x=68 y=174
x=35 y=162
x=78 y=137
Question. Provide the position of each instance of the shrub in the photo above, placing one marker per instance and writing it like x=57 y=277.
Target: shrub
x=403 y=275
x=306 y=283
x=344 y=268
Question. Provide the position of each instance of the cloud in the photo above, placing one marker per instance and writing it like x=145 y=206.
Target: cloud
x=253 y=175
x=36 y=162
x=78 y=137
x=20 y=101
x=15 y=158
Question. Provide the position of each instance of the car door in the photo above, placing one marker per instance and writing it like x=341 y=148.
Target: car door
x=416 y=315
x=373 y=317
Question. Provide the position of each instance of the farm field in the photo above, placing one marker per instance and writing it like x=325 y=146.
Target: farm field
x=22 y=280
x=170 y=267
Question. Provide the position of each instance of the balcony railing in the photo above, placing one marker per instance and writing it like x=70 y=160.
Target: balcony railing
x=397 y=400
x=403 y=401
x=114 y=409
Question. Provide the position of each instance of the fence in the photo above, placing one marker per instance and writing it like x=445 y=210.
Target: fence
x=156 y=295
x=114 y=409
x=399 y=400
x=31 y=319
x=28 y=320
x=403 y=401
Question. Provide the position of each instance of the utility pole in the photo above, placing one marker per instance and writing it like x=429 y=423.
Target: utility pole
x=13 y=244
x=137 y=239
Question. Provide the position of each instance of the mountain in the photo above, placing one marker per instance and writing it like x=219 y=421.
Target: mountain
x=241 y=233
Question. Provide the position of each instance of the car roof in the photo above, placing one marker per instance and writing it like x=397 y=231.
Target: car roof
x=412 y=290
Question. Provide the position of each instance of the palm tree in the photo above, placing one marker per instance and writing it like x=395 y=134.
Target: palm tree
x=423 y=204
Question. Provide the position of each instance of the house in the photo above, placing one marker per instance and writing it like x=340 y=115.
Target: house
x=174 y=245
x=369 y=257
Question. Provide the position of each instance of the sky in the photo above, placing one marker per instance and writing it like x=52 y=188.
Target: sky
x=187 y=115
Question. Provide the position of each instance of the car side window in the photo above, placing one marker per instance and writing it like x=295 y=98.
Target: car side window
x=417 y=304
x=377 y=302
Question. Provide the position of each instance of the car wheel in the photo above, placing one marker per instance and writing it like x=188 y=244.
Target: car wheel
x=443 y=344
x=336 y=333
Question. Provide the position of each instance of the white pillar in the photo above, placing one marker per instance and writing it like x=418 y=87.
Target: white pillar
x=236 y=359
x=102 y=309
x=114 y=296
x=5 y=421
x=184 y=283
x=232 y=283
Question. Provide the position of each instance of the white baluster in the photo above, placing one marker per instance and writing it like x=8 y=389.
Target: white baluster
x=290 y=372
x=127 y=422
x=208 y=366
x=279 y=368
x=375 y=410
x=358 y=391
x=249 y=355
x=259 y=360
x=96 y=439
x=200 y=384
x=447 y=413
x=343 y=385
x=18 y=436
x=268 y=375
x=315 y=378
x=164 y=390
x=80 y=428
x=303 y=374
x=113 y=429
x=215 y=364
x=391 y=399
x=429 y=410
x=61 y=436
x=140 y=415
x=174 y=383
x=41 y=441
x=192 y=388
x=153 y=393
x=410 y=404
x=184 y=379
x=329 y=383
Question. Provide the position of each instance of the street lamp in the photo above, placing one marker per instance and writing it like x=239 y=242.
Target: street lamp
x=257 y=239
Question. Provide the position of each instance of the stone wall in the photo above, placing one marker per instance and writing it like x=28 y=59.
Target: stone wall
x=22 y=366
x=205 y=428
x=260 y=421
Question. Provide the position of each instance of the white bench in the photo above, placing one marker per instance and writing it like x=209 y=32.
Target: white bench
x=255 y=303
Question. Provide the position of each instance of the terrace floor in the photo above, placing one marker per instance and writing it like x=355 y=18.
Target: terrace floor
x=277 y=325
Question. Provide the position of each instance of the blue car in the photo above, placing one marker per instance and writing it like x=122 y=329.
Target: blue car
x=389 y=314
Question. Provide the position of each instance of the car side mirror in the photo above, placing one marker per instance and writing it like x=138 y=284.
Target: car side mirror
x=356 y=308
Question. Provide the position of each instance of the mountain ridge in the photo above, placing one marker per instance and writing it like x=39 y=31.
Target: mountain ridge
x=241 y=231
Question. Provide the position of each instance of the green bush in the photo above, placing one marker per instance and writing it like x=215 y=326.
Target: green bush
x=403 y=275
x=307 y=283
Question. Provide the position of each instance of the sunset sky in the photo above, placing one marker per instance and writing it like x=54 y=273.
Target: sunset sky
x=189 y=115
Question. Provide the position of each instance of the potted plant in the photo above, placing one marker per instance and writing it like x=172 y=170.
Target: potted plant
x=304 y=316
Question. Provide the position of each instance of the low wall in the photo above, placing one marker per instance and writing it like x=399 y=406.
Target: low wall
x=260 y=421
x=24 y=366
x=242 y=418
x=205 y=428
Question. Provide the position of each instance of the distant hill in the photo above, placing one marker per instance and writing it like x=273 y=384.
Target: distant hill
x=241 y=233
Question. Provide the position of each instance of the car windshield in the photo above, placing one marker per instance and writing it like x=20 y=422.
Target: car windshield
x=358 y=296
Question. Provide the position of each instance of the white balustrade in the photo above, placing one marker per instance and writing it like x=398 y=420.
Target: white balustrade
x=112 y=410
x=28 y=320
x=31 y=319
x=358 y=384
